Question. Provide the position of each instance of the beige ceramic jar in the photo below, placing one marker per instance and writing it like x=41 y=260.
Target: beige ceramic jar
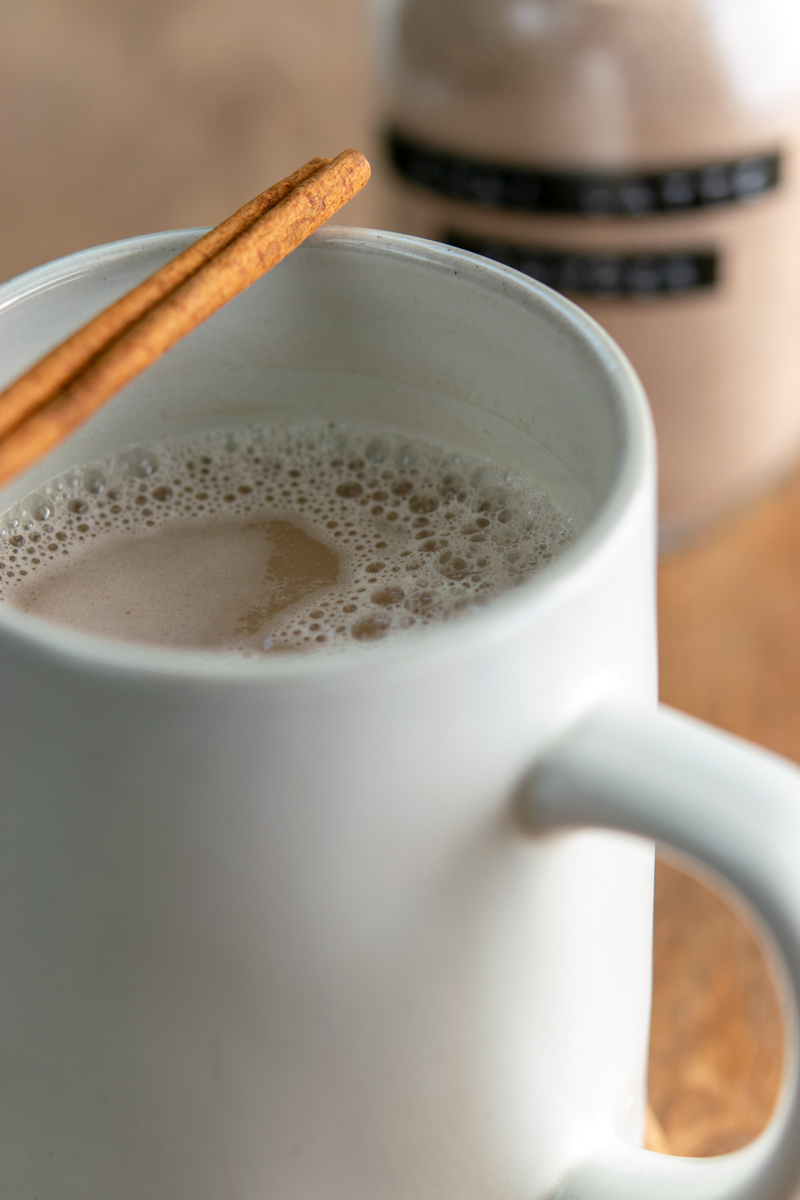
x=642 y=157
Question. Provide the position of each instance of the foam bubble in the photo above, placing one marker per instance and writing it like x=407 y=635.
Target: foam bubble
x=423 y=533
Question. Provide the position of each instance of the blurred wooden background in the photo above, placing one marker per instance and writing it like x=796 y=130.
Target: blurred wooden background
x=120 y=117
x=729 y=631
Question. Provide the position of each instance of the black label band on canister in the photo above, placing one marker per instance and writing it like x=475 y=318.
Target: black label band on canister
x=589 y=193
x=635 y=276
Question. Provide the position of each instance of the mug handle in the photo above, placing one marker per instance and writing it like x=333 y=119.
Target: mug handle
x=736 y=808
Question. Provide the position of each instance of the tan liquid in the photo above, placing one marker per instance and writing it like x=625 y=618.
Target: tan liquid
x=198 y=586
x=310 y=538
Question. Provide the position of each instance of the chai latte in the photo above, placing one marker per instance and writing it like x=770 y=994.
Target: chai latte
x=312 y=537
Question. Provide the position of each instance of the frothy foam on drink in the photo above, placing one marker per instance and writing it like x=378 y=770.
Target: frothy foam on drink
x=342 y=537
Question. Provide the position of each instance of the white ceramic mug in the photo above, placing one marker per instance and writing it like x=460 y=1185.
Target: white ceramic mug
x=366 y=927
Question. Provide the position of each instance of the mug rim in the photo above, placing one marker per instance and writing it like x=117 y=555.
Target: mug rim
x=510 y=610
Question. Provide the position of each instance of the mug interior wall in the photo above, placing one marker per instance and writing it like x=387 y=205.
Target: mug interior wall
x=355 y=324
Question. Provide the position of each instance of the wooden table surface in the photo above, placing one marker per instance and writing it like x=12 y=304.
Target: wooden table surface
x=729 y=616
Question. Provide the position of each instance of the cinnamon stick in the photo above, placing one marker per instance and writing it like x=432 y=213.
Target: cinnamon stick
x=61 y=365
x=162 y=322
